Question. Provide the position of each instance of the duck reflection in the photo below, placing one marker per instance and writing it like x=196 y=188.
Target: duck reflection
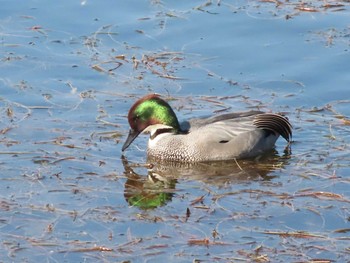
x=146 y=192
x=158 y=187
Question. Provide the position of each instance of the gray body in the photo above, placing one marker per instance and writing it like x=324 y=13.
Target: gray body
x=223 y=137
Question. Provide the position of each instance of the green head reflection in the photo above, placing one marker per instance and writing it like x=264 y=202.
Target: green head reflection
x=150 y=192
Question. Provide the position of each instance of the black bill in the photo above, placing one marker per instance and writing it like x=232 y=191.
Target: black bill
x=131 y=137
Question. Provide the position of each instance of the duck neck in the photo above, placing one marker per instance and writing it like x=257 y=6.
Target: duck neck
x=162 y=131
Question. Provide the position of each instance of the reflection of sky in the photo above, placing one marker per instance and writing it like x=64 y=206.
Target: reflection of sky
x=238 y=44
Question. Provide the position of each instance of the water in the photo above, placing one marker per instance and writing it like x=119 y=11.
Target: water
x=69 y=72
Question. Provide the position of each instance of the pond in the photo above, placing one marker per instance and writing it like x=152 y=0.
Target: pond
x=70 y=71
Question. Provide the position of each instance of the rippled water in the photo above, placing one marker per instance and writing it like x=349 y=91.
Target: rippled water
x=69 y=72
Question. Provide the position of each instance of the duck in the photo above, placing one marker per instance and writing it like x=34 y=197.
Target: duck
x=222 y=137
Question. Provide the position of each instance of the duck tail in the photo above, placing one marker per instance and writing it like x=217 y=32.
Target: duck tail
x=274 y=123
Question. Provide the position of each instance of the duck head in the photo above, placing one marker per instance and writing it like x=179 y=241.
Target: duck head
x=153 y=115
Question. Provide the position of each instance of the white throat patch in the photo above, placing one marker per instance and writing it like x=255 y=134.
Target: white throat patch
x=152 y=129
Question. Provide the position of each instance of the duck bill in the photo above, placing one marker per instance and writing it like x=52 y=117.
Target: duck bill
x=131 y=137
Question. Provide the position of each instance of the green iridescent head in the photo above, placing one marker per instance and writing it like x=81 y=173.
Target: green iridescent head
x=147 y=111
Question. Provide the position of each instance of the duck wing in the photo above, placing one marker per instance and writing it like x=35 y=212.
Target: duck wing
x=274 y=123
x=227 y=126
x=196 y=123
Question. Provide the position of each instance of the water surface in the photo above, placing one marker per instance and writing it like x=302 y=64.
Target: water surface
x=70 y=70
